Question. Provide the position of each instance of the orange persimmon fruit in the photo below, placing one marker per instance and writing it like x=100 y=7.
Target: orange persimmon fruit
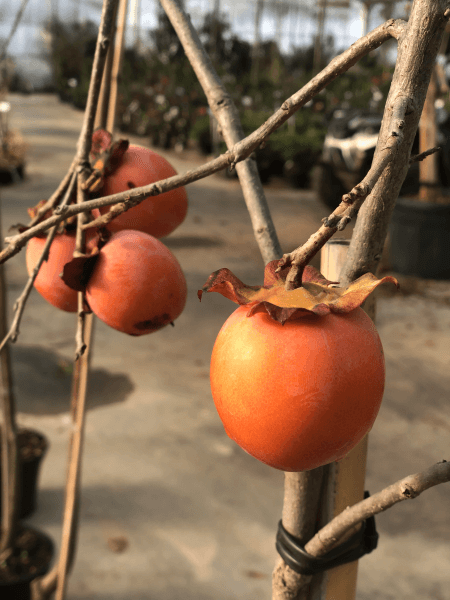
x=137 y=285
x=48 y=281
x=301 y=394
x=156 y=215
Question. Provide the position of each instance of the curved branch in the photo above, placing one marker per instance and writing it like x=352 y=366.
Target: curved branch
x=19 y=305
x=238 y=152
x=15 y=24
x=417 y=51
x=405 y=489
x=227 y=116
x=350 y=204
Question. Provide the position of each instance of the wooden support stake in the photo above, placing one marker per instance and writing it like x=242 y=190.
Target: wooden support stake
x=346 y=478
x=429 y=176
x=9 y=447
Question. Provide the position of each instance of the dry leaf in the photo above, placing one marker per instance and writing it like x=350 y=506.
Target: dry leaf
x=314 y=297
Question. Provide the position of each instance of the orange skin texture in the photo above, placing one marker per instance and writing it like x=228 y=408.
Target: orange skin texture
x=300 y=395
x=48 y=281
x=156 y=215
x=137 y=285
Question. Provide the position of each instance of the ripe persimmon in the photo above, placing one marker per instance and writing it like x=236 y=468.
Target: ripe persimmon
x=137 y=285
x=156 y=215
x=48 y=281
x=301 y=394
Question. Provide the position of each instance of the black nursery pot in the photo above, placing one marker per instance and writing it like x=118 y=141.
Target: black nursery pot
x=420 y=239
x=19 y=587
x=31 y=456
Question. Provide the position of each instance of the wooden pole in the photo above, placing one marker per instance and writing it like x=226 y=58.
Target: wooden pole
x=345 y=485
x=321 y=16
x=429 y=177
x=56 y=580
x=9 y=447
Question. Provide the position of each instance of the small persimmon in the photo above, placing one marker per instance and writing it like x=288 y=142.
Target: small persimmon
x=299 y=395
x=48 y=281
x=137 y=285
x=156 y=215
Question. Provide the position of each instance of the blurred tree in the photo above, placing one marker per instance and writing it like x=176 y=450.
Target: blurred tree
x=72 y=47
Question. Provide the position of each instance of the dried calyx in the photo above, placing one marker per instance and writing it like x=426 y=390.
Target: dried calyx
x=105 y=156
x=316 y=296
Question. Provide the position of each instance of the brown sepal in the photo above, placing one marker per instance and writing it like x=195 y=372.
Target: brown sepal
x=34 y=210
x=77 y=272
x=105 y=157
x=316 y=296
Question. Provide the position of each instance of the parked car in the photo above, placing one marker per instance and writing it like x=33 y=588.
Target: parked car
x=349 y=148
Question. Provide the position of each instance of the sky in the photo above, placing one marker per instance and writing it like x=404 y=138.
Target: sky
x=297 y=27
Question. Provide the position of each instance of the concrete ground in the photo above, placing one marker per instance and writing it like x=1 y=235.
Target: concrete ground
x=196 y=514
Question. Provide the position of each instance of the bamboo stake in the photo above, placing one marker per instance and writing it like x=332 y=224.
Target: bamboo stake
x=429 y=176
x=346 y=483
x=81 y=366
x=57 y=578
x=119 y=46
x=10 y=451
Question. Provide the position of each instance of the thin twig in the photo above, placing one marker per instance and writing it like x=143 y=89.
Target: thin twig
x=417 y=51
x=56 y=196
x=405 y=489
x=227 y=116
x=342 y=215
x=101 y=50
x=79 y=250
x=15 y=24
x=423 y=155
x=19 y=305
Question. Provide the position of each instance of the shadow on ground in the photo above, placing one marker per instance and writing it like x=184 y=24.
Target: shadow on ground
x=43 y=379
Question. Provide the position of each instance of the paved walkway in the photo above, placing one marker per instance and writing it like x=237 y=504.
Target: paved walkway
x=197 y=513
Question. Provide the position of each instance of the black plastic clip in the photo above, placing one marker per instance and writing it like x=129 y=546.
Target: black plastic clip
x=363 y=542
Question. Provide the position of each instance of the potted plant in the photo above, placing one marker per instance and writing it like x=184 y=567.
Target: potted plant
x=420 y=226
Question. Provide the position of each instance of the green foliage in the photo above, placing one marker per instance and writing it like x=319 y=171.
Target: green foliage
x=161 y=98
x=71 y=54
x=290 y=151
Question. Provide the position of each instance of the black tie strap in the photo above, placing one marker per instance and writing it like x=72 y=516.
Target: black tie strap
x=294 y=554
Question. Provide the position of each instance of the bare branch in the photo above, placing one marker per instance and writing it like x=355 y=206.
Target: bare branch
x=300 y=508
x=405 y=489
x=350 y=204
x=417 y=50
x=15 y=24
x=19 y=305
x=240 y=150
x=101 y=49
x=423 y=155
x=79 y=250
x=227 y=116
x=56 y=196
